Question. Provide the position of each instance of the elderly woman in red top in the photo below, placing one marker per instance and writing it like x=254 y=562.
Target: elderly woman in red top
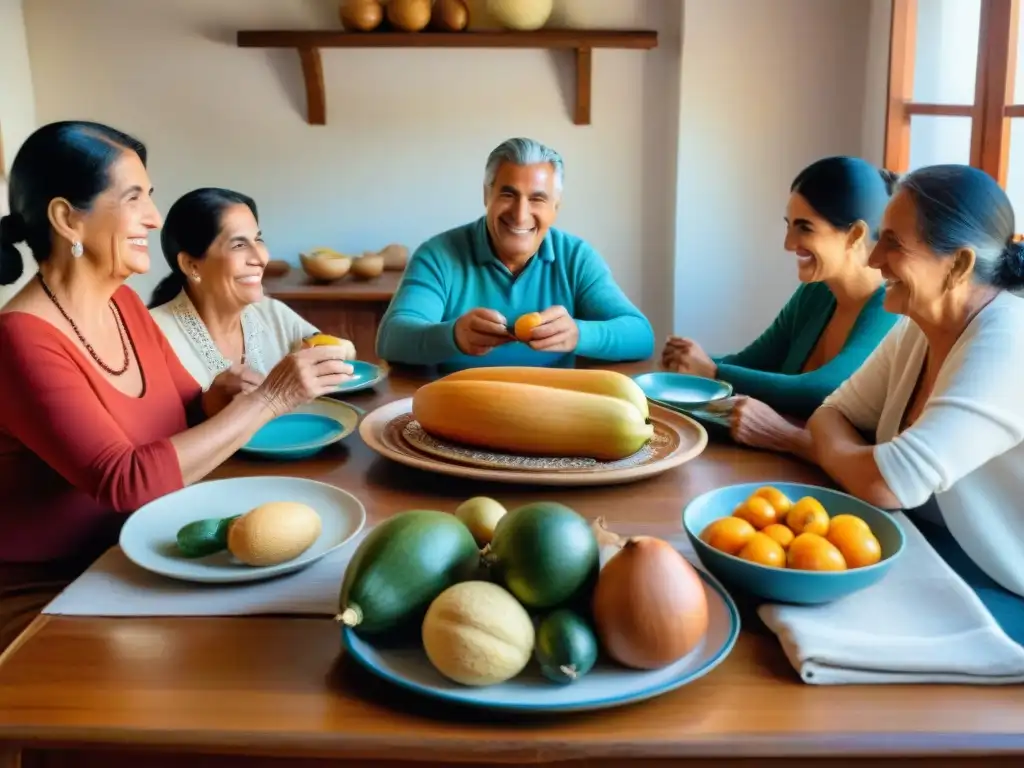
x=97 y=415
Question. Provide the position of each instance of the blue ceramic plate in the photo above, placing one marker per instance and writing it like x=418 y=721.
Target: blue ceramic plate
x=782 y=585
x=364 y=376
x=682 y=389
x=305 y=431
x=148 y=535
x=606 y=685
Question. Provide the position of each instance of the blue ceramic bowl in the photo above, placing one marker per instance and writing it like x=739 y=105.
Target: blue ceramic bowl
x=682 y=389
x=782 y=585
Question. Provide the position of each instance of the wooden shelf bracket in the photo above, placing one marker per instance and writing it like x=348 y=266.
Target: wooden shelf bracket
x=582 y=42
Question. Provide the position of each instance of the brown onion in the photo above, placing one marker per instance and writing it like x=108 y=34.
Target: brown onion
x=650 y=608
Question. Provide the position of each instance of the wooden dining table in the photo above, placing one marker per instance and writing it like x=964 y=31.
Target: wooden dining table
x=279 y=691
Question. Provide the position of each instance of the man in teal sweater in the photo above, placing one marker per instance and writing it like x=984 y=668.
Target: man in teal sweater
x=464 y=289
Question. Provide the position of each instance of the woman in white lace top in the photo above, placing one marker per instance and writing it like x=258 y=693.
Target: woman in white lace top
x=211 y=306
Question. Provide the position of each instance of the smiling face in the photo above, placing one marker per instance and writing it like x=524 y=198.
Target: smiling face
x=916 y=279
x=822 y=251
x=522 y=204
x=114 y=231
x=231 y=272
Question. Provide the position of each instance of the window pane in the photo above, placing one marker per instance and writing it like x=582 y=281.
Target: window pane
x=1015 y=171
x=946 y=51
x=939 y=139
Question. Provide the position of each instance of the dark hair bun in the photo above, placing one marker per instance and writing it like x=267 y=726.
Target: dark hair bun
x=12 y=229
x=891 y=179
x=1010 y=269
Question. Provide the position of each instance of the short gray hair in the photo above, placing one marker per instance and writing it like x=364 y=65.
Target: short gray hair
x=520 y=151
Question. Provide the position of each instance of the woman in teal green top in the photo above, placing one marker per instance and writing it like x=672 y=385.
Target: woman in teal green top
x=827 y=328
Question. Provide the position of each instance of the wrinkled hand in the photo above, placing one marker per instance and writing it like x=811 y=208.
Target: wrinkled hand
x=303 y=376
x=236 y=379
x=687 y=356
x=557 y=331
x=754 y=423
x=480 y=330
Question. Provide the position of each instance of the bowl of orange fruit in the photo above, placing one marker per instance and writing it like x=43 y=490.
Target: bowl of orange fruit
x=791 y=542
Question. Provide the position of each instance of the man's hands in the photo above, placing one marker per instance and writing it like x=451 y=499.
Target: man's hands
x=557 y=331
x=480 y=330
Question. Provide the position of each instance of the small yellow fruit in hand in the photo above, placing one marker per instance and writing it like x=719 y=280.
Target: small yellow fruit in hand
x=323 y=340
x=525 y=324
x=481 y=515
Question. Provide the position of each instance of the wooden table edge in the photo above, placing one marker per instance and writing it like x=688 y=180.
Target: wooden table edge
x=514 y=749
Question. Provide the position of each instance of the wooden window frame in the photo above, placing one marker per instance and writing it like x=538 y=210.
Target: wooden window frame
x=993 y=93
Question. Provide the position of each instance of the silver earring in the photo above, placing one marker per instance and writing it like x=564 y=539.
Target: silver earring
x=77 y=249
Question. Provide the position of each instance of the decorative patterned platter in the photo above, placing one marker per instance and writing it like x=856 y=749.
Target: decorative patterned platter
x=665 y=441
x=679 y=439
x=606 y=685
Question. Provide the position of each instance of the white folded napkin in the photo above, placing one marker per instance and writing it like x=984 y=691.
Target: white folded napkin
x=115 y=586
x=922 y=623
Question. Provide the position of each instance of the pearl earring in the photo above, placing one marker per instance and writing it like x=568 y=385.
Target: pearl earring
x=77 y=249
x=196 y=277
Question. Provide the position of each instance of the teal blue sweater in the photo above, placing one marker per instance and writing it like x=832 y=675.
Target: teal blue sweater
x=769 y=369
x=457 y=271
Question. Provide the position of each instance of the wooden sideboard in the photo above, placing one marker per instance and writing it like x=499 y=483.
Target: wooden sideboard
x=348 y=307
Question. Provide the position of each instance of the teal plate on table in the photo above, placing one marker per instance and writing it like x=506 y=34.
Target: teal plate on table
x=606 y=685
x=682 y=389
x=364 y=376
x=305 y=431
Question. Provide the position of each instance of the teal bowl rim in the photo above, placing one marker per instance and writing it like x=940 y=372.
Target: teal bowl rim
x=884 y=563
x=729 y=390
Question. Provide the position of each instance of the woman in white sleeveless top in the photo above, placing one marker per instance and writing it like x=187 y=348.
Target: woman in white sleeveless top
x=211 y=307
x=943 y=394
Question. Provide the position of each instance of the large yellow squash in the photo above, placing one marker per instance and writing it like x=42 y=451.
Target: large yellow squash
x=528 y=419
x=598 y=382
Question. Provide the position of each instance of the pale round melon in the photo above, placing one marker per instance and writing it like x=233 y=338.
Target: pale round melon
x=520 y=15
x=274 y=533
x=475 y=633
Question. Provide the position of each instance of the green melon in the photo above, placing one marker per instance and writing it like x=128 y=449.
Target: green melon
x=401 y=566
x=543 y=553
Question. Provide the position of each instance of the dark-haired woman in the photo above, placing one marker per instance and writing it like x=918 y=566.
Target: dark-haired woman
x=211 y=306
x=943 y=394
x=833 y=321
x=97 y=415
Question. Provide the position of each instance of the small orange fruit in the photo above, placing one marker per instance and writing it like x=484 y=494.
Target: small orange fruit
x=764 y=550
x=808 y=516
x=728 y=534
x=780 y=533
x=776 y=498
x=811 y=552
x=322 y=339
x=757 y=511
x=857 y=544
x=525 y=324
x=840 y=520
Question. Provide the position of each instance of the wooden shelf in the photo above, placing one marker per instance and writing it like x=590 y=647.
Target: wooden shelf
x=309 y=42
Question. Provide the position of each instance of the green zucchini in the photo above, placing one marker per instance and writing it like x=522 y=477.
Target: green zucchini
x=401 y=566
x=204 y=537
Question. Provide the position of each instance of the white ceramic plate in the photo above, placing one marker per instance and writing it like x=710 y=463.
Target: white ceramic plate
x=606 y=685
x=148 y=535
x=692 y=436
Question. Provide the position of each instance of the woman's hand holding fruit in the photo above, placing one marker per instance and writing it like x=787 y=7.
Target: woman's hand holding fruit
x=303 y=376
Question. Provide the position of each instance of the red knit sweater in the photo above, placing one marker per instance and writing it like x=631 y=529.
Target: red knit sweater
x=76 y=454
